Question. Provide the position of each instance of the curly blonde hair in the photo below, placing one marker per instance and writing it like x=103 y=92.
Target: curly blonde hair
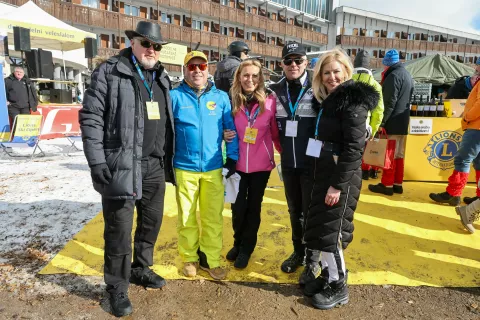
x=236 y=92
x=319 y=89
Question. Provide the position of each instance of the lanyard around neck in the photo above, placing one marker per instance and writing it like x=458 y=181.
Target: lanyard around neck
x=293 y=108
x=251 y=120
x=145 y=83
x=318 y=121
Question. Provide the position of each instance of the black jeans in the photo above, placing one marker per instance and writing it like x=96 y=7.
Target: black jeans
x=13 y=112
x=246 y=210
x=118 y=216
x=298 y=188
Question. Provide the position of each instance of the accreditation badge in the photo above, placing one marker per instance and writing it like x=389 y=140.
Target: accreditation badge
x=250 y=135
x=314 y=148
x=291 y=128
x=153 y=112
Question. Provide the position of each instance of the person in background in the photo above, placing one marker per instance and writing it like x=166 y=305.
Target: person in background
x=127 y=131
x=468 y=152
x=256 y=126
x=224 y=75
x=469 y=214
x=201 y=113
x=336 y=149
x=397 y=90
x=362 y=72
x=464 y=85
x=21 y=94
x=296 y=120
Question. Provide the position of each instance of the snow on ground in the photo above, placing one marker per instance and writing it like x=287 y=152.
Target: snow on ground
x=43 y=204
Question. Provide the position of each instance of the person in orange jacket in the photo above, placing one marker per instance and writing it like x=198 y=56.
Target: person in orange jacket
x=468 y=152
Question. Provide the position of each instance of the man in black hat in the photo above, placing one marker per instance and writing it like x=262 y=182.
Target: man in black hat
x=128 y=136
x=296 y=122
x=225 y=73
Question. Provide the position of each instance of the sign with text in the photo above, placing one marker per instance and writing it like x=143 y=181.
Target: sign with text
x=47 y=31
x=173 y=54
x=59 y=120
x=27 y=129
x=4 y=122
x=421 y=126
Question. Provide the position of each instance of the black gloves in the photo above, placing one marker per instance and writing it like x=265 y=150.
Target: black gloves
x=100 y=173
x=230 y=165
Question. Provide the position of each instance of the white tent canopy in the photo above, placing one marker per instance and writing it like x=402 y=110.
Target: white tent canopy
x=46 y=31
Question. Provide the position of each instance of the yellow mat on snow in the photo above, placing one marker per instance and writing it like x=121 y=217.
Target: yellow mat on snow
x=401 y=240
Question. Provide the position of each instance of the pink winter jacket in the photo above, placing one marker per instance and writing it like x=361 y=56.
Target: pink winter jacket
x=259 y=156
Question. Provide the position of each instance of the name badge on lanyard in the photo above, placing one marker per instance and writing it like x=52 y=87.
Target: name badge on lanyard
x=314 y=147
x=153 y=111
x=291 y=127
x=251 y=133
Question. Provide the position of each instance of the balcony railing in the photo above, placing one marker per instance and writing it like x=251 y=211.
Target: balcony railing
x=407 y=45
x=117 y=21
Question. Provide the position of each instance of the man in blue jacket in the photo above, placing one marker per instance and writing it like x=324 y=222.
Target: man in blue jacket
x=201 y=114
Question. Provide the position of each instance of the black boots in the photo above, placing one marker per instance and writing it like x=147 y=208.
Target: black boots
x=293 y=262
x=380 y=188
x=445 y=197
x=468 y=200
x=367 y=174
x=232 y=254
x=147 y=279
x=120 y=304
x=310 y=273
x=333 y=294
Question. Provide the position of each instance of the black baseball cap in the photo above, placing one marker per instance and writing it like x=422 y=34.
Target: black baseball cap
x=293 y=48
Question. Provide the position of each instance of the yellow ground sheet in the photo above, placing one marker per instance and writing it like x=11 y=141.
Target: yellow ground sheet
x=402 y=240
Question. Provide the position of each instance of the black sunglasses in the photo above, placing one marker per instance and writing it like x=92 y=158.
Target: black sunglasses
x=147 y=44
x=298 y=61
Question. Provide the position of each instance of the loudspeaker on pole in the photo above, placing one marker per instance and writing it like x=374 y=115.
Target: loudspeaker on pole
x=90 y=48
x=21 y=39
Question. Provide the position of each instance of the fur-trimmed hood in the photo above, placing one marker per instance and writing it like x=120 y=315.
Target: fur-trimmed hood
x=352 y=93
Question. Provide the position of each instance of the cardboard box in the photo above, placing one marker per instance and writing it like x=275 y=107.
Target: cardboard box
x=454 y=107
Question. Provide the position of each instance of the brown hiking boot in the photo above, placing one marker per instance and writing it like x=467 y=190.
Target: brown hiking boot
x=190 y=269
x=467 y=219
x=217 y=273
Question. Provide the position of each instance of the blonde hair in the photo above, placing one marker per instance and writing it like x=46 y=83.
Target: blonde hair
x=319 y=89
x=236 y=92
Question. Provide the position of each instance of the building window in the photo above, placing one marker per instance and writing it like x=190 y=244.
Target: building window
x=225 y=2
x=224 y=31
x=197 y=25
x=249 y=9
x=131 y=10
x=249 y=36
x=127 y=43
x=90 y=3
x=166 y=18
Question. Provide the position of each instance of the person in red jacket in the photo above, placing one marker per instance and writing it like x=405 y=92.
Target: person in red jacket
x=254 y=114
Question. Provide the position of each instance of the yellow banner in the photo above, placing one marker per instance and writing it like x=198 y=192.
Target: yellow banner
x=429 y=157
x=47 y=32
x=173 y=54
x=27 y=128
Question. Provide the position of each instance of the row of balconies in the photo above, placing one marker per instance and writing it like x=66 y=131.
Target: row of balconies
x=408 y=45
x=117 y=21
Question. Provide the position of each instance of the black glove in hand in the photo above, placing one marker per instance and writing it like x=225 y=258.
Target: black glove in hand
x=101 y=174
x=231 y=165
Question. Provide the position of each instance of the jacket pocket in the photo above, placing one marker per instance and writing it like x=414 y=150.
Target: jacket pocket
x=268 y=153
x=185 y=142
x=111 y=158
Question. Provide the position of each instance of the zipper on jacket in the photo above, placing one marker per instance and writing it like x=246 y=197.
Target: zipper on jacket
x=201 y=132
x=294 y=156
x=248 y=148
x=134 y=167
x=269 y=156
x=305 y=215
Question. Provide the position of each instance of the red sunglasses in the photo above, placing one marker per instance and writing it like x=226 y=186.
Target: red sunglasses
x=193 y=66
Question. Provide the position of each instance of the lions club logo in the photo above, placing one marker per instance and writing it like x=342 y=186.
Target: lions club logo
x=441 y=149
x=211 y=105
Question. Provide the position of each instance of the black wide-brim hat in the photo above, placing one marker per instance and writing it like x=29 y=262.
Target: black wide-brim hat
x=147 y=30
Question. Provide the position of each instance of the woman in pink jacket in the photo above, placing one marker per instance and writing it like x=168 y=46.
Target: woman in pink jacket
x=257 y=130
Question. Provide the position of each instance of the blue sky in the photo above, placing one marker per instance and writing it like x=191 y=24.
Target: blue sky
x=458 y=14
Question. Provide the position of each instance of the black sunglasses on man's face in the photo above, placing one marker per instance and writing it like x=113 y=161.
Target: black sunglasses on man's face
x=297 y=61
x=147 y=44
